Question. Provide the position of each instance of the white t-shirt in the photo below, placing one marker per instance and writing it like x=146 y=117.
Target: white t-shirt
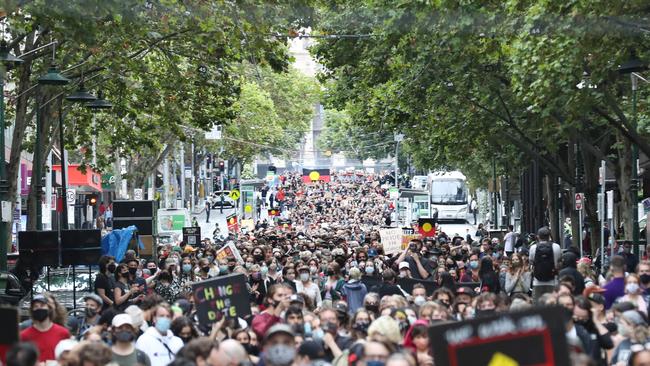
x=509 y=241
x=557 y=255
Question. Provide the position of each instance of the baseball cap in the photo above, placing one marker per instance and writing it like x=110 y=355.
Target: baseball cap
x=372 y=252
x=464 y=290
x=279 y=329
x=95 y=298
x=297 y=298
x=597 y=298
x=404 y=265
x=39 y=298
x=121 y=319
x=64 y=346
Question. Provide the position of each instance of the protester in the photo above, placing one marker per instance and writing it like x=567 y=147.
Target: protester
x=158 y=342
x=43 y=332
x=123 y=337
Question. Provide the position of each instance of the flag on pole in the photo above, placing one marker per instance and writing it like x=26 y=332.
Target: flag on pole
x=427 y=227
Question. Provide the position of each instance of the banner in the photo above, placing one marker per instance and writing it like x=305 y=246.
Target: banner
x=427 y=227
x=229 y=250
x=391 y=240
x=274 y=212
x=233 y=224
x=532 y=337
x=406 y=239
x=407 y=285
x=221 y=296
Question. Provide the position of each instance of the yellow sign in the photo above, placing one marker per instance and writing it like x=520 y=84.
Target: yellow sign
x=248 y=208
x=314 y=176
x=234 y=194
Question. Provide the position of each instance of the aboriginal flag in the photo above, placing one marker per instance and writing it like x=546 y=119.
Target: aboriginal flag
x=314 y=175
x=233 y=224
x=427 y=227
x=274 y=212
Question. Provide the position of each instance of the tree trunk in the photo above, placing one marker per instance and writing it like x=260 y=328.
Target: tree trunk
x=591 y=166
x=624 y=179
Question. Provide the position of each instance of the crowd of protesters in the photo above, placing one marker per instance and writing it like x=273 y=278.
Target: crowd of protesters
x=323 y=291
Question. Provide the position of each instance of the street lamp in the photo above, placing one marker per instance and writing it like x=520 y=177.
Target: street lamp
x=7 y=60
x=632 y=66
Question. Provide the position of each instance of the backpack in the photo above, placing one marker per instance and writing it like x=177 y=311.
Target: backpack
x=544 y=263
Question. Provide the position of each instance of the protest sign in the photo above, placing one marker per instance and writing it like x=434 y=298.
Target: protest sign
x=391 y=240
x=221 y=296
x=229 y=250
x=407 y=284
x=192 y=235
x=406 y=239
x=532 y=337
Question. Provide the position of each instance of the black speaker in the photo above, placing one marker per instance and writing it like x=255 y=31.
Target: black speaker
x=80 y=247
x=145 y=226
x=134 y=208
x=40 y=248
x=139 y=213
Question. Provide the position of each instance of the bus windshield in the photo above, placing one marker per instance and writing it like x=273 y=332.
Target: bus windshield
x=448 y=192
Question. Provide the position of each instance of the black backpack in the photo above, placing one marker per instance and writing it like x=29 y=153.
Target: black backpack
x=544 y=263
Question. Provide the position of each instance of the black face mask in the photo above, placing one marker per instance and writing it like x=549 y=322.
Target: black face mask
x=251 y=350
x=372 y=308
x=133 y=271
x=205 y=269
x=258 y=257
x=645 y=278
x=90 y=312
x=123 y=336
x=186 y=340
x=40 y=314
x=111 y=267
x=330 y=273
x=484 y=313
x=153 y=270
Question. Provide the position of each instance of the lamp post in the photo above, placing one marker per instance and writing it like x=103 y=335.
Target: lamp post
x=6 y=60
x=98 y=105
x=632 y=66
x=52 y=78
x=81 y=95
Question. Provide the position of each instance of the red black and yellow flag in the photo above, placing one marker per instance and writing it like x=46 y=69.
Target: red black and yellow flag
x=274 y=212
x=233 y=224
x=315 y=175
x=427 y=227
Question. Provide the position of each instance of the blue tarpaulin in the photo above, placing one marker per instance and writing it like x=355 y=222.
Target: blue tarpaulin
x=117 y=241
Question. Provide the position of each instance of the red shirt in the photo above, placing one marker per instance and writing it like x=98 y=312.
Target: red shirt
x=45 y=341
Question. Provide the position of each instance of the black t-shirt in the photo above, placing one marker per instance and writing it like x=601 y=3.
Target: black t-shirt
x=426 y=263
x=107 y=283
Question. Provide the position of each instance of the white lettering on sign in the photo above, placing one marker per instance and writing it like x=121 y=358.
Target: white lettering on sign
x=458 y=335
x=496 y=328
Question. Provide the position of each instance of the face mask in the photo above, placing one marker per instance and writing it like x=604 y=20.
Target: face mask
x=362 y=327
x=370 y=270
x=258 y=257
x=163 y=324
x=419 y=300
x=133 y=271
x=403 y=274
x=304 y=277
x=249 y=265
x=210 y=258
x=40 y=314
x=111 y=267
x=185 y=340
x=372 y=308
x=582 y=323
x=623 y=330
x=482 y=313
x=223 y=269
x=645 y=278
x=205 y=269
x=264 y=270
x=153 y=270
x=354 y=264
x=318 y=334
x=123 y=336
x=473 y=264
x=632 y=288
x=375 y=363
x=250 y=349
x=307 y=329
x=90 y=312
x=280 y=355
x=187 y=268
x=313 y=269
x=412 y=319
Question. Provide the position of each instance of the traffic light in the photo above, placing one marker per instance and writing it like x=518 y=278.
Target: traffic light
x=222 y=166
x=92 y=199
x=208 y=161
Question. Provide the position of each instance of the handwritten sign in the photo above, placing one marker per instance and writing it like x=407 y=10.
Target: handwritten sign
x=221 y=296
x=533 y=337
x=391 y=240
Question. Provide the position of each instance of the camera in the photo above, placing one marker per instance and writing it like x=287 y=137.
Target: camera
x=413 y=247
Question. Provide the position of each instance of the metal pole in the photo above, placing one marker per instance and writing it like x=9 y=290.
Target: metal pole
x=193 y=180
x=4 y=185
x=64 y=171
x=182 y=165
x=634 y=186
x=36 y=170
x=603 y=202
x=397 y=164
x=494 y=193
x=580 y=232
x=166 y=183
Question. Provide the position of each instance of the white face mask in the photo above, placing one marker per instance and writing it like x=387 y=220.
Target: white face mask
x=419 y=300
x=304 y=277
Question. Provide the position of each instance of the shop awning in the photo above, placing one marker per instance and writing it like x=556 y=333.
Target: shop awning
x=90 y=181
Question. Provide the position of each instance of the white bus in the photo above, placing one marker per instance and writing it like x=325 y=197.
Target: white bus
x=449 y=195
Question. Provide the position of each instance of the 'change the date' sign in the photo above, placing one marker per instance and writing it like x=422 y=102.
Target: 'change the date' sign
x=221 y=296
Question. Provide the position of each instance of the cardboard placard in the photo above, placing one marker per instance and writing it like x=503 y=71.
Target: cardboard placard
x=406 y=239
x=221 y=296
x=192 y=235
x=532 y=337
x=391 y=240
x=229 y=250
